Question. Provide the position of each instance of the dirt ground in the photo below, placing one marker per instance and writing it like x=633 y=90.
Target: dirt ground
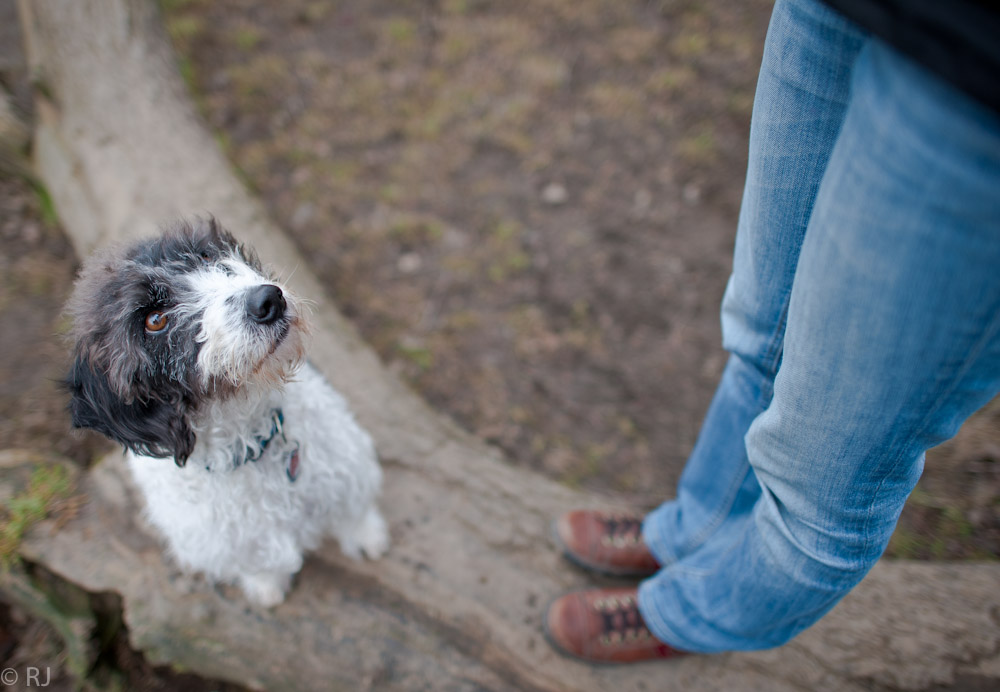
x=527 y=208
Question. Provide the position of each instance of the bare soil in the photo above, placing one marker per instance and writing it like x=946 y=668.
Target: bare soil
x=528 y=208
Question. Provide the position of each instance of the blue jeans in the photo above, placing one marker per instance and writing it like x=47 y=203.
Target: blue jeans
x=863 y=321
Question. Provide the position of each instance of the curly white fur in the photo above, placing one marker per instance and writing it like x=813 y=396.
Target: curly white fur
x=203 y=385
x=250 y=523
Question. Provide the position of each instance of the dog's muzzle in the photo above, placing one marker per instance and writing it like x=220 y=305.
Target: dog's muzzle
x=265 y=304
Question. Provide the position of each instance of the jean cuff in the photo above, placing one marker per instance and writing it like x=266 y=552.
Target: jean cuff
x=657 y=537
x=655 y=621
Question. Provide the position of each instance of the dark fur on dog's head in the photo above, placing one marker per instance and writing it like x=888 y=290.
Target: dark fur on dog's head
x=139 y=387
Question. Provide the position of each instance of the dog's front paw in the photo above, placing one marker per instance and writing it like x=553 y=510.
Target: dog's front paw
x=370 y=537
x=265 y=590
x=375 y=535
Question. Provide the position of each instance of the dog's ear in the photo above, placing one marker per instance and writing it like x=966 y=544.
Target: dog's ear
x=155 y=427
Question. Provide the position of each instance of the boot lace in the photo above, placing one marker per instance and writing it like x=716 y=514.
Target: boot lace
x=621 y=531
x=621 y=622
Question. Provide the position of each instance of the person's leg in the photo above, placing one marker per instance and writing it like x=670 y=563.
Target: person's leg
x=801 y=96
x=892 y=340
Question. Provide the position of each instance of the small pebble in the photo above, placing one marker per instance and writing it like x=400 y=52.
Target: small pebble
x=303 y=214
x=554 y=193
x=642 y=201
x=409 y=263
x=691 y=193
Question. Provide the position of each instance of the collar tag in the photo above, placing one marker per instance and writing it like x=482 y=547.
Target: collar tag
x=292 y=463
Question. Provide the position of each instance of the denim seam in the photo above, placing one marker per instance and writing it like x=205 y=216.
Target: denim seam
x=659 y=624
x=771 y=356
x=702 y=572
x=986 y=337
x=777 y=345
x=718 y=518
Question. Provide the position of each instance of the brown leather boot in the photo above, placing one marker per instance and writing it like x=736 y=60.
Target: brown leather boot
x=605 y=542
x=603 y=626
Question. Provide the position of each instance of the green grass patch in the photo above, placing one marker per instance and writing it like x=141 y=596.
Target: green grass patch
x=905 y=544
x=46 y=207
x=340 y=172
x=457 y=7
x=186 y=69
x=247 y=37
x=48 y=485
x=671 y=79
x=699 y=148
x=505 y=254
x=420 y=356
x=174 y=5
x=224 y=142
x=185 y=28
x=314 y=12
x=401 y=30
x=587 y=465
x=690 y=45
x=411 y=232
x=933 y=529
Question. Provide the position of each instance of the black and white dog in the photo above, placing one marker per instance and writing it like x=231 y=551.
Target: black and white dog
x=187 y=349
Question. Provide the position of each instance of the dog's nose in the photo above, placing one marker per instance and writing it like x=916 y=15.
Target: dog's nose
x=265 y=304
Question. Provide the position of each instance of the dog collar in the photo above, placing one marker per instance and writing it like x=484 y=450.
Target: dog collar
x=262 y=442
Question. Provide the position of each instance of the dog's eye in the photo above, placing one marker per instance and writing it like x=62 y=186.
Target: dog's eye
x=205 y=257
x=156 y=321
